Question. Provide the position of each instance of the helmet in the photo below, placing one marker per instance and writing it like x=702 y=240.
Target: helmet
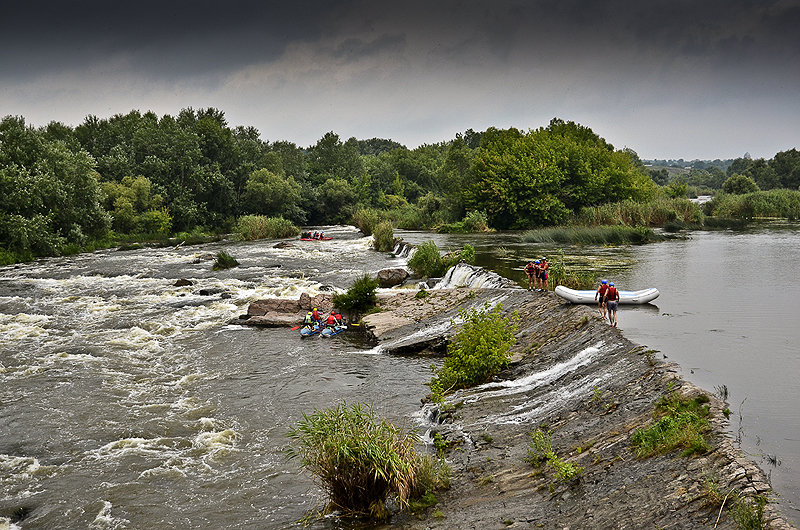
x=611 y=284
x=537 y=261
x=315 y=309
x=606 y=281
x=333 y=312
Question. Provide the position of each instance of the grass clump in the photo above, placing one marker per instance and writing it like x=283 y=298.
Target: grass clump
x=359 y=298
x=224 y=261
x=479 y=350
x=541 y=452
x=252 y=227
x=678 y=422
x=383 y=237
x=573 y=279
x=428 y=262
x=748 y=514
x=632 y=213
x=772 y=203
x=360 y=460
x=592 y=235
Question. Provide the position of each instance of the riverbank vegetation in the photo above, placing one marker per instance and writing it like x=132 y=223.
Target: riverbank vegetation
x=359 y=298
x=360 y=460
x=252 y=227
x=479 y=350
x=678 y=422
x=140 y=176
x=428 y=261
x=592 y=235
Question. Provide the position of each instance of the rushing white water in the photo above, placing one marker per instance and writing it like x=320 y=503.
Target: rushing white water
x=466 y=275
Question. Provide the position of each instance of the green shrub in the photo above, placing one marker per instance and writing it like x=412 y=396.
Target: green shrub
x=360 y=460
x=252 y=227
x=540 y=451
x=748 y=514
x=359 y=298
x=466 y=254
x=474 y=221
x=427 y=261
x=383 y=237
x=559 y=274
x=679 y=422
x=366 y=219
x=479 y=350
x=224 y=261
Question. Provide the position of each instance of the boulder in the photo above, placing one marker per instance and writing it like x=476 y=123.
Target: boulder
x=273 y=305
x=183 y=282
x=391 y=277
x=273 y=320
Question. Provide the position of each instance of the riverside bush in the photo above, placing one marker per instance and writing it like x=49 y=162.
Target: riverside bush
x=383 y=236
x=360 y=460
x=427 y=261
x=773 y=203
x=540 y=451
x=252 y=227
x=479 y=350
x=474 y=221
x=679 y=422
x=359 y=298
x=366 y=219
x=224 y=261
x=633 y=213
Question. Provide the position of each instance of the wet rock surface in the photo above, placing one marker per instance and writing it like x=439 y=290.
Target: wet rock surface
x=583 y=381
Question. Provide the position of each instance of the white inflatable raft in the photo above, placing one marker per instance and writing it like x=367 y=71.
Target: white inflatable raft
x=625 y=297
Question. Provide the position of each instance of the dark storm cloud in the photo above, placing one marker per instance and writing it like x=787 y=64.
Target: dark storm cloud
x=158 y=38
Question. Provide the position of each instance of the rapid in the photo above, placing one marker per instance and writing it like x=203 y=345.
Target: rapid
x=128 y=402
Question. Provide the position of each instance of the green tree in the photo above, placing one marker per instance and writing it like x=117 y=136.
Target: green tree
x=270 y=194
x=337 y=201
x=739 y=185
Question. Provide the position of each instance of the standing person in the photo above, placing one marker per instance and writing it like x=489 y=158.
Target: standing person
x=600 y=296
x=537 y=271
x=530 y=270
x=545 y=267
x=315 y=315
x=612 y=299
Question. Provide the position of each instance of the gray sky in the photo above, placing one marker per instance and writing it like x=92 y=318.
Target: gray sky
x=669 y=79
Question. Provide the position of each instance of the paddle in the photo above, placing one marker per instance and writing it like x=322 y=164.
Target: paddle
x=295 y=328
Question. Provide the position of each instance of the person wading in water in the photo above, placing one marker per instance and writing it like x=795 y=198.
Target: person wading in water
x=600 y=296
x=530 y=270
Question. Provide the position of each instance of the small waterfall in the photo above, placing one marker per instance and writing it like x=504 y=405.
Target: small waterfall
x=403 y=249
x=465 y=275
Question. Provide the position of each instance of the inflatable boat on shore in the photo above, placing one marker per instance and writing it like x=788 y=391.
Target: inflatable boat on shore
x=625 y=297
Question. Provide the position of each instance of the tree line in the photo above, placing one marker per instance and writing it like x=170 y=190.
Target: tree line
x=64 y=189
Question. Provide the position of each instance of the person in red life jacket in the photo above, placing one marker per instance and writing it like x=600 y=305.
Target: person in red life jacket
x=537 y=275
x=543 y=268
x=529 y=270
x=315 y=315
x=331 y=322
x=612 y=299
x=338 y=319
x=600 y=296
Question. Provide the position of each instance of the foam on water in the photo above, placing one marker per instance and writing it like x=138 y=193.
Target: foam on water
x=105 y=521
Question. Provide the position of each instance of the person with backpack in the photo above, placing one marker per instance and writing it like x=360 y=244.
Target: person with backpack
x=612 y=299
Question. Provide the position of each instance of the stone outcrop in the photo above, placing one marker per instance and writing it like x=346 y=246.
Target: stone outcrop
x=277 y=312
x=391 y=277
x=576 y=377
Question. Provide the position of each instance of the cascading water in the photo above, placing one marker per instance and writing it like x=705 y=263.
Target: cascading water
x=465 y=275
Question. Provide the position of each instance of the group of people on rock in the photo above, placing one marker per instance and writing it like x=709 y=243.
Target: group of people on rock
x=607 y=297
x=314 y=319
x=316 y=234
x=537 y=272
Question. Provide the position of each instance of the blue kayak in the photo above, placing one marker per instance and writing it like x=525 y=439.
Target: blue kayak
x=330 y=332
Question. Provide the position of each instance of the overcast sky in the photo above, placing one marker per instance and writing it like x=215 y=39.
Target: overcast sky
x=670 y=79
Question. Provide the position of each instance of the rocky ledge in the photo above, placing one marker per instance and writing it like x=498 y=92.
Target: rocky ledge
x=579 y=379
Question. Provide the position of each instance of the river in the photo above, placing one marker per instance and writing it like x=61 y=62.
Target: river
x=128 y=402
x=728 y=314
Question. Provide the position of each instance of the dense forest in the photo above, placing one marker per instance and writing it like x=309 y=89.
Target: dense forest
x=65 y=189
